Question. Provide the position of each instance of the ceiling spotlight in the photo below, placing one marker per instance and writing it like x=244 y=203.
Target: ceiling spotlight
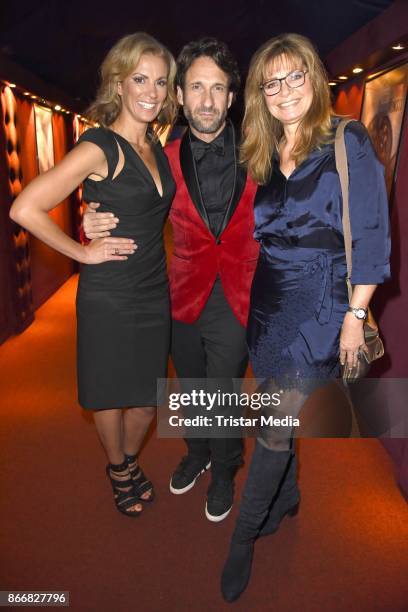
x=57 y=107
x=343 y=77
x=398 y=47
x=33 y=97
x=12 y=85
x=26 y=93
x=332 y=83
x=357 y=70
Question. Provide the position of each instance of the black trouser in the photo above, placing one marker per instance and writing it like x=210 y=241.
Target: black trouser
x=212 y=347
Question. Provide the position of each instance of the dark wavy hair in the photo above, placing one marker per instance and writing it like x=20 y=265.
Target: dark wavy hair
x=216 y=50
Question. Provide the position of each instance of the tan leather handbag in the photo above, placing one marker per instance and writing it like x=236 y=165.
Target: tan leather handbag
x=374 y=348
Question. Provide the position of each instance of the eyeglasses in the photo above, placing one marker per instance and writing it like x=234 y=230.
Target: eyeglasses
x=292 y=80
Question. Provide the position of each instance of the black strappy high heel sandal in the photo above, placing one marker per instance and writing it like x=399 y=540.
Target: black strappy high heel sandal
x=140 y=482
x=123 y=490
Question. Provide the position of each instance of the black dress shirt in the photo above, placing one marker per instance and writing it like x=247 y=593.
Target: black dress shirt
x=215 y=163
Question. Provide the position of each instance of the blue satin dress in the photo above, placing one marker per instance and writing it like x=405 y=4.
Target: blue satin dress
x=299 y=294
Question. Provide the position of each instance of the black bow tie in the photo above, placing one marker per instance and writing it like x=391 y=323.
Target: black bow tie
x=200 y=148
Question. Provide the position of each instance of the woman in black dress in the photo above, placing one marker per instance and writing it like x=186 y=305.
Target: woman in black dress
x=122 y=303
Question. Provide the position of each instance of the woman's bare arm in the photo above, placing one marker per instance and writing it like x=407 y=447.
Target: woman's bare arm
x=31 y=207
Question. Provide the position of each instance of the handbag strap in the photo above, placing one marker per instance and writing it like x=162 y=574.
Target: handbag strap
x=340 y=153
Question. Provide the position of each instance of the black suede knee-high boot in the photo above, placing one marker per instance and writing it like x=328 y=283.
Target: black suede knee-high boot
x=286 y=501
x=265 y=474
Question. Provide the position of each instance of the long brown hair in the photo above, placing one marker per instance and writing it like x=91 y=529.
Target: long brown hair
x=117 y=65
x=262 y=133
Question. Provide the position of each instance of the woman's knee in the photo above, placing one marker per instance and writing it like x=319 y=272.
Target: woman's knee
x=145 y=412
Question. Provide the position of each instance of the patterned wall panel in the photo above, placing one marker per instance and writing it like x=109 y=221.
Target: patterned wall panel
x=23 y=299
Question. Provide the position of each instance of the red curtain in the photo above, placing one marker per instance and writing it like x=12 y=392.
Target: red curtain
x=49 y=269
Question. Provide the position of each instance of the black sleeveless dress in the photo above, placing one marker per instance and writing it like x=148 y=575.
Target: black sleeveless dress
x=123 y=313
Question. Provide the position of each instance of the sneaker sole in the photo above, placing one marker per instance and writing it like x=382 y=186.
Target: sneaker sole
x=192 y=483
x=216 y=519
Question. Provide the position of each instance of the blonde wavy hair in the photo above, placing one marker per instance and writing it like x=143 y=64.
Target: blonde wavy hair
x=262 y=133
x=119 y=64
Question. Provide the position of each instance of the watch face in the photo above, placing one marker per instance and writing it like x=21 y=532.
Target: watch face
x=360 y=313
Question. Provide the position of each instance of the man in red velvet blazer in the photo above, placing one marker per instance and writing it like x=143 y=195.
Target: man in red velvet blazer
x=214 y=257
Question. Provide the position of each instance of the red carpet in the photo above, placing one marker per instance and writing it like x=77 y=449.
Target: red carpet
x=346 y=551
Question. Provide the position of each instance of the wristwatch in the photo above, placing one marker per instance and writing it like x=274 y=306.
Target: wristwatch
x=359 y=313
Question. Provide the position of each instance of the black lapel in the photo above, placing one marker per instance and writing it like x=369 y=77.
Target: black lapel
x=239 y=184
x=189 y=170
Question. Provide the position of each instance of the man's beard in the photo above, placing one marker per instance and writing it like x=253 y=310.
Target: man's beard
x=205 y=127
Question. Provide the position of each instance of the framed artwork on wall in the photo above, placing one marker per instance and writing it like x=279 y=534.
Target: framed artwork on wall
x=382 y=113
x=44 y=138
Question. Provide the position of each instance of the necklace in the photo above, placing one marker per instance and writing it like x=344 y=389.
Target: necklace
x=139 y=148
x=135 y=145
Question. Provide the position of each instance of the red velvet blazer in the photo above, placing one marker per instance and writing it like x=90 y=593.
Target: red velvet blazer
x=198 y=256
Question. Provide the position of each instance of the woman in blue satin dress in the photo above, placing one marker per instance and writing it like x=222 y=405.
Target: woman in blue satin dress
x=300 y=326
